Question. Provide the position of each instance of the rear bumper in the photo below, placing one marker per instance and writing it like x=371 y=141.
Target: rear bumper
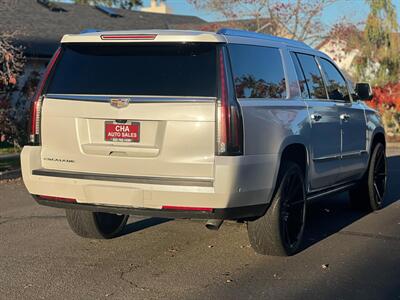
x=241 y=188
x=232 y=213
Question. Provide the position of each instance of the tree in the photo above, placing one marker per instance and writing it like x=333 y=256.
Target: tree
x=295 y=19
x=12 y=62
x=125 y=4
x=379 y=59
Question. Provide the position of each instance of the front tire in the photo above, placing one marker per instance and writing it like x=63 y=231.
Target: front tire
x=280 y=231
x=95 y=225
x=369 y=194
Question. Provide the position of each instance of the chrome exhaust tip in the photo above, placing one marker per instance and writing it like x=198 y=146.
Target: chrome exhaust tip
x=214 y=224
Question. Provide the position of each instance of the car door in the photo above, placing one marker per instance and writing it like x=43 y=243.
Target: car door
x=325 y=142
x=353 y=123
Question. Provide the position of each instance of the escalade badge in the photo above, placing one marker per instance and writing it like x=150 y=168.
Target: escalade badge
x=119 y=102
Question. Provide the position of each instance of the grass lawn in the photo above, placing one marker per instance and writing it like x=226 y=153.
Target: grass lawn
x=8 y=150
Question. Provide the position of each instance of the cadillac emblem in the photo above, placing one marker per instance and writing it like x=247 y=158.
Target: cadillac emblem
x=119 y=102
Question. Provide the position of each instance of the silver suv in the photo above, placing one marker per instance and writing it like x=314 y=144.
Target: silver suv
x=220 y=126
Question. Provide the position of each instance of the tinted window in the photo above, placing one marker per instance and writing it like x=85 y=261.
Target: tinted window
x=300 y=77
x=336 y=84
x=161 y=70
x=313 y=76
x=257 y=71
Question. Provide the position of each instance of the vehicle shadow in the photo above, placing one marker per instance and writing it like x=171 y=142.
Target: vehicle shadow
x=331 y=214
x=142 y=224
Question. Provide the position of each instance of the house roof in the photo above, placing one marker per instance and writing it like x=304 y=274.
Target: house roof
x=40 y=29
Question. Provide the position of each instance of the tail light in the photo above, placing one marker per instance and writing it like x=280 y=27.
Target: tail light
x=60 y=199
x=37 y=101
x=128 y=36
x=230 y=124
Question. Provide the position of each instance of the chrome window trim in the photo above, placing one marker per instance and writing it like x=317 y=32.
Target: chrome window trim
x=133 y=98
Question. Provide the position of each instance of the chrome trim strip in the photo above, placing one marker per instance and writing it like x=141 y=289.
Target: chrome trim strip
x=203 y=182
x=344 y=155
x=354 y=153
x=336 y=156
x=133 y=99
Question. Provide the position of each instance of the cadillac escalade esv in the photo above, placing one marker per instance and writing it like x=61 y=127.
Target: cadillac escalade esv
x=219 y=126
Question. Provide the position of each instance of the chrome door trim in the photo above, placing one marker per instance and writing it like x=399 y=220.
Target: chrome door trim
x=330 y=157
x=341 y=156
x=354 y=153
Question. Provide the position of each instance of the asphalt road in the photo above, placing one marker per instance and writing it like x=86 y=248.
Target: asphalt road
x=347 y=255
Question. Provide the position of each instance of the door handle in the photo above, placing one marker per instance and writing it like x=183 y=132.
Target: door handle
x=316 y=117
x=344 y=117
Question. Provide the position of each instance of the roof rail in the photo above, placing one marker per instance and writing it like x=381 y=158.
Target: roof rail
x=262 y=36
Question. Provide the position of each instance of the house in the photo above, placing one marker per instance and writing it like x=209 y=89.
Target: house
x=341 y=53
x=345 y=47
x=157 y=6
x=40 y=24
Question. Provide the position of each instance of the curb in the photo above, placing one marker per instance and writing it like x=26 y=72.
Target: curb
x=11 y=174
x=9 y=156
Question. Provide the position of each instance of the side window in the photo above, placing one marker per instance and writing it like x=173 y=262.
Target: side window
x=300 y=76
x=336 y=84
x=257 y=71
x=313 y=76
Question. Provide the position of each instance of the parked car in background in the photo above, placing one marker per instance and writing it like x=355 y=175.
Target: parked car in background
x=220 y=126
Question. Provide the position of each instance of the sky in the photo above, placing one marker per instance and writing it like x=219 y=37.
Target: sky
x=350 y=10
x=353 y=10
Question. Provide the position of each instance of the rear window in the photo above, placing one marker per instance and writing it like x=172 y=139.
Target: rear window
x=257 y=71
x=139 y=69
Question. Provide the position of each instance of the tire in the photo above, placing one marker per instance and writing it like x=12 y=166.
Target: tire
x=369 y=194
x=95 y=225
x=280 y=231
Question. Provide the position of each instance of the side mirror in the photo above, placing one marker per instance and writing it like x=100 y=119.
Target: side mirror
x=364 y=91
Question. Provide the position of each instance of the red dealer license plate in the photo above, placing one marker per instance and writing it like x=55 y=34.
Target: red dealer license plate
x=122 y=132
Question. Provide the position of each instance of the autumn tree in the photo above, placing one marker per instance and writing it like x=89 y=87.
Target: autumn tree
x=12 y=62
x=379 y=59
x=294 y=19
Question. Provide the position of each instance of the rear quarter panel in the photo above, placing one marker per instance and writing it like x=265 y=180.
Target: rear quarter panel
x=270 y=126
x=374 y=125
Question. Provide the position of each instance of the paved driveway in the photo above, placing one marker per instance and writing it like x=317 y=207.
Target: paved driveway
x=347 y=255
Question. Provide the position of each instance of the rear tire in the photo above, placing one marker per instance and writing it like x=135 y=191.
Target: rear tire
x=369 y=194
x=280 y=231
x=95 y=225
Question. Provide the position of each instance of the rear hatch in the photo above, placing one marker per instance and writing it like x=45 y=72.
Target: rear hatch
x=132 y=109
